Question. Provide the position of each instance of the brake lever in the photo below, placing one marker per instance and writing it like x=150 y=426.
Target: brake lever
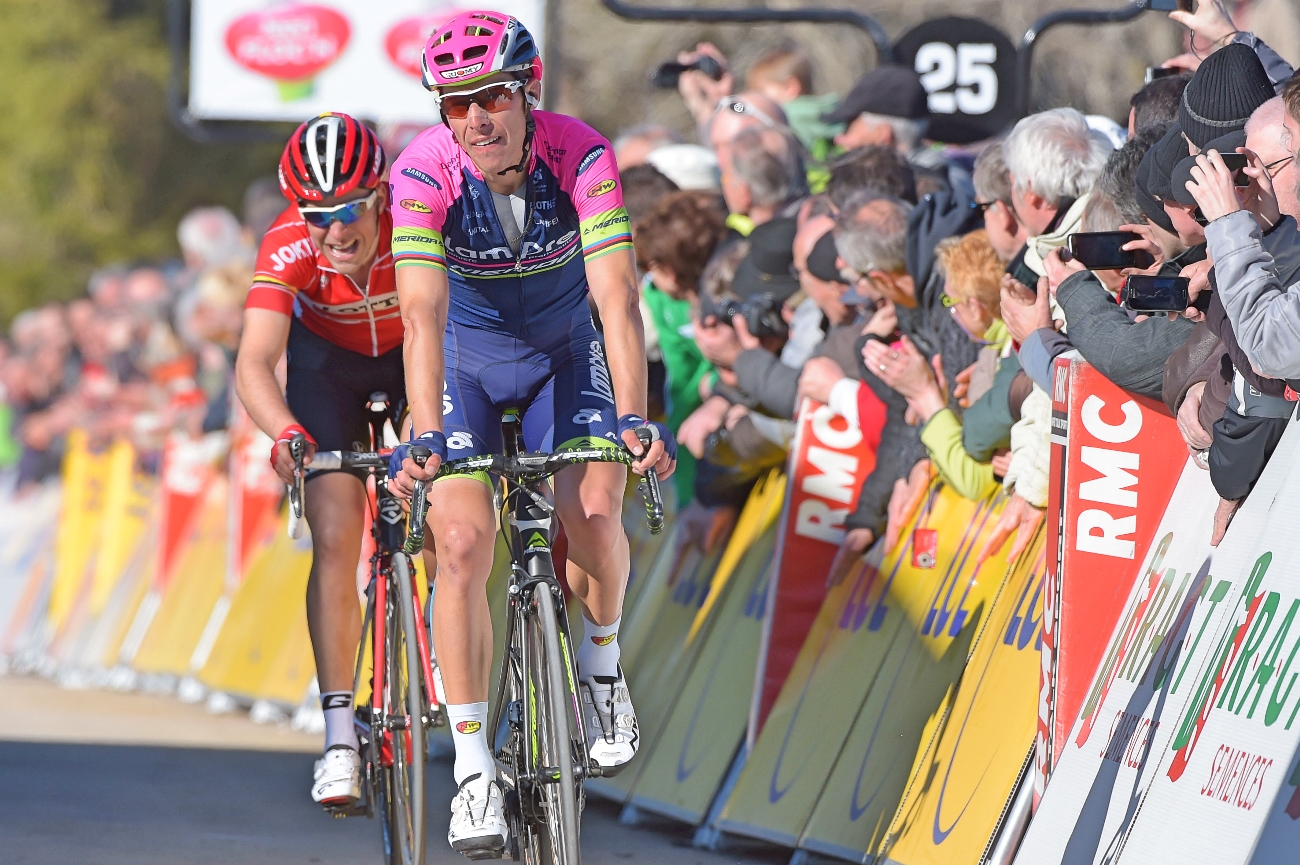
x=654 y=503
x=298 y=450
x=419 y=505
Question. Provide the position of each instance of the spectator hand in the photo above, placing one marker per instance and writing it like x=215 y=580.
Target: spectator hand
x=746 y=339
x=1024 y=311
x=856 y=543
x=819 y=375
x=734 y=416
x=1001 y=462
x=884 y=322
x=907 y=496
x=1260 y=198
x=1223 y=515
x=1189 y=424
x=1199 y=275
x=1018 y=516
x=702 y=423
x=902 y=367
x=961 y=386
x=1147 y=243
x=718 y=342
x=1209 y=22
x=1213 y=187
x=700 y=92
x=1060 y=266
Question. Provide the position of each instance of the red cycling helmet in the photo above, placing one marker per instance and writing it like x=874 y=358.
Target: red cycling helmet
x=332 y=154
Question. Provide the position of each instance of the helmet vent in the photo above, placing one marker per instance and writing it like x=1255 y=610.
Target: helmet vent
x=483 y=17
x=478 y=31
x=475 y=51
x=447 y=34
x=444 y=59
x=524 y=47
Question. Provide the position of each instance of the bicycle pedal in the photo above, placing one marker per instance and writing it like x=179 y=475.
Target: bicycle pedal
x=353 y=808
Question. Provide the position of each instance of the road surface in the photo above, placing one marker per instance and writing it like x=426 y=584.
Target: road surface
x=98 y=778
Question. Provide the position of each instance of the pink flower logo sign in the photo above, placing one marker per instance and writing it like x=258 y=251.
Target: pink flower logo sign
x=290 y=43
x=405 y=39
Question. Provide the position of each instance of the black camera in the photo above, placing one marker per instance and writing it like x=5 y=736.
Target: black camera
x=761 y=313
x=666 y=76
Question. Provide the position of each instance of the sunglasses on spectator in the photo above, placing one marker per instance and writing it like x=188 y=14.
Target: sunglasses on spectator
x=346 y=213
x=492 y=98
x=736 y=105
x=983 y=206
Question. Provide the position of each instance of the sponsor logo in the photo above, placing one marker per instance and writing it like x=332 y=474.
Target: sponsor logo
x=618 y=217
x=405 y=238
x=587 y=416
x=538 y=541
x=390 y=511
x=602 y=187
x=601 y=388
x=459 y=441
x=417 y=174
x=335 y=701
x=604 y=641
x=447 y=406
x=462 y=72
x=288 y=254
x=469 y=727
x=417 y=206
x=590 y=159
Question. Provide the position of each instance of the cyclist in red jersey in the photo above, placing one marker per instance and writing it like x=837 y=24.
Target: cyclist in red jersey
x=508 y=219
x=324 y=291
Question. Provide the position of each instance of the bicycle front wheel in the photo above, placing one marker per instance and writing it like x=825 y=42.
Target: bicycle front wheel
x=405 y=712
x=554 y=768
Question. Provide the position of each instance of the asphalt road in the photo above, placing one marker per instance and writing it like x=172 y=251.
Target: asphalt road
x=145 y=804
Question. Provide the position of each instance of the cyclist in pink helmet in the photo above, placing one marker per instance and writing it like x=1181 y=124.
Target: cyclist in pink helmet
x=507 y=219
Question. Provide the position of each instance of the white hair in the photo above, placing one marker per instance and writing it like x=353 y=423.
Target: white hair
x=907 y=133
x=211 y=235
x=1055 y=154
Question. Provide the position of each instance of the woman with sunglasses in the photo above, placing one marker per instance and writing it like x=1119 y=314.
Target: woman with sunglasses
x=324 y=290
x=508 y=218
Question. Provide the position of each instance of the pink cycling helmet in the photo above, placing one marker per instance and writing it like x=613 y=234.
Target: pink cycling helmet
x=474 y=45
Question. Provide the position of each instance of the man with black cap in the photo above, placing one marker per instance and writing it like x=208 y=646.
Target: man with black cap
x=889 y=106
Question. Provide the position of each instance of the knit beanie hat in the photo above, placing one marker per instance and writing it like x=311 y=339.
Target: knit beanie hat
x=1223 y=93
x=1166 y=153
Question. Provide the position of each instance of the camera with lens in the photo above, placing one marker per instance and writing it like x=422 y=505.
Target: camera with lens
x=667 y=75
x=762 y=314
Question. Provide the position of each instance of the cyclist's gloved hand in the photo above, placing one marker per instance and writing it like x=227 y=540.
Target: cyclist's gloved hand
x=433 y=440
x=286 y=436
x=658 y=432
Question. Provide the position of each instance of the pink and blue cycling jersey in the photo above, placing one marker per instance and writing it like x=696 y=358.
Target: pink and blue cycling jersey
x=444 y=217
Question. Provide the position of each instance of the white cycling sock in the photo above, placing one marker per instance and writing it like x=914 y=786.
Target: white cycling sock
x=599 y=653
x=339 y=729
x=469 y=734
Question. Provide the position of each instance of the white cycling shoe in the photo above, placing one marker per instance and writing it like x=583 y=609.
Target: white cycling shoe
x=338 y=777
x=612 y=732
x=478 y=819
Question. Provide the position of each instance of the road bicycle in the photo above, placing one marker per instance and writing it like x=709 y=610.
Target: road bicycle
x=541 y=751
x=393 y=726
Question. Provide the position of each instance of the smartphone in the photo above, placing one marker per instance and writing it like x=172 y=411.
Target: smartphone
x=1234 y=162
x=1172 y=5
x=1104 y=250
x=1155 y=73
x=1155 y=293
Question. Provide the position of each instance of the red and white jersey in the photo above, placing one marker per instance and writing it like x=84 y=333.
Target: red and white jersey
x=294 y=277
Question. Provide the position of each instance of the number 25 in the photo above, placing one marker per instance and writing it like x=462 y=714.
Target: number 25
x=969 y=66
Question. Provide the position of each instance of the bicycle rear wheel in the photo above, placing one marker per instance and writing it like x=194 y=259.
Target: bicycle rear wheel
x=404 y=704
x=557 y=791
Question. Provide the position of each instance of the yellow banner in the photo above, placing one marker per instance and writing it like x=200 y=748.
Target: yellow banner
x=85 y=475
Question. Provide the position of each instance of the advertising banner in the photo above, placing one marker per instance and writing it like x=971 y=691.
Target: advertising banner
x=828 y=463
x=1228 y=775
x=1151 y=668
x=691 y=758
x=959 y=791
x=277 y=60
x=665 y=660
x=793 y=755
x=256 y=493
x=85 y=481
x=1119 y=473
x=913 y=687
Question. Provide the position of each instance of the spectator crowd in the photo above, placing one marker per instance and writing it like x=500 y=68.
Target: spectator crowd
x=806 y=245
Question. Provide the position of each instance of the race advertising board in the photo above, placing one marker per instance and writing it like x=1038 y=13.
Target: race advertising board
x=829 y=461
x=1113 y=475
x=267 y=60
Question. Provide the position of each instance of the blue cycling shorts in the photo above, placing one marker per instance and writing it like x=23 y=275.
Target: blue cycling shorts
x=558 y=381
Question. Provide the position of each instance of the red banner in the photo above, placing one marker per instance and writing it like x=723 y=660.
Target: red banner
x=187 y=471
x=1116 y=458
x=829 y=460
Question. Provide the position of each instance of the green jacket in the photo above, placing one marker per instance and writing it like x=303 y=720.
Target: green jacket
x=685 y=367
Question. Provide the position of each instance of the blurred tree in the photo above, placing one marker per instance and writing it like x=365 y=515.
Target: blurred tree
x=92 y=172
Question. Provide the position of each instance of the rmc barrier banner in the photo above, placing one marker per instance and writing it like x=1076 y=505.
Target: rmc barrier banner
x=829 y=460
x=1112 y=477
x=962 y=786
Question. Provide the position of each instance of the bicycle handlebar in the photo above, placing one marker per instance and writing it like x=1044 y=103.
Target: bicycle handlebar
x=322 y=461
x=527 y=467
